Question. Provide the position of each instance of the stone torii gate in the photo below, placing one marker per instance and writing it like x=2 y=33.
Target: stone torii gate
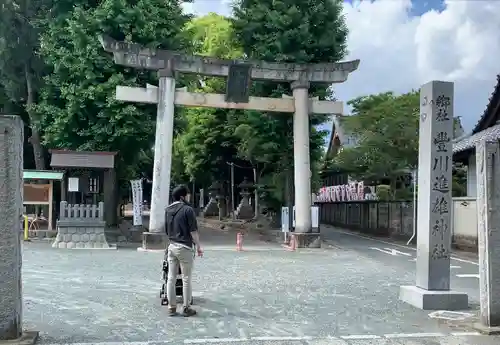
x=239 y=74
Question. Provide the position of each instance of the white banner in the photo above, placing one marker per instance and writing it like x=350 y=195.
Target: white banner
x=137 y=201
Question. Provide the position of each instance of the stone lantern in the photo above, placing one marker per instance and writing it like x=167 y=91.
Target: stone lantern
x=245 y=210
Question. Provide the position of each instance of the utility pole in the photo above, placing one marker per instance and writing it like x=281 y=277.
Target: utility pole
x=232 y=189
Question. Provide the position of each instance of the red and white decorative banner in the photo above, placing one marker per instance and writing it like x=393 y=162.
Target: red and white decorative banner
x=354 y=191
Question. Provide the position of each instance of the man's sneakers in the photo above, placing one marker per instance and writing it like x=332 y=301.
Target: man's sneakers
x=186 y=312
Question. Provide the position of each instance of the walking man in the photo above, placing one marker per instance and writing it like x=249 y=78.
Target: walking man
x=182 y=230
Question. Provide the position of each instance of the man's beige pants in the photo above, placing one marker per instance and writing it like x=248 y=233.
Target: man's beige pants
x=178 y=255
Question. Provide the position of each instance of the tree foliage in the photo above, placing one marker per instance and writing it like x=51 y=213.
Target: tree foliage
x=78 y=106
x=207 y=143
x=301 y=31
x=386 y=128
x=21 y=68
x=212 y=35
x=54 y=70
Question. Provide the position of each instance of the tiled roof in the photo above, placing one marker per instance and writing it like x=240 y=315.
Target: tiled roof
x=42 y=175
x=470 y=141
x=488 y=112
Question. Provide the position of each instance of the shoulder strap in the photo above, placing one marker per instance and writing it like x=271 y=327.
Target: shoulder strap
x=170 y=220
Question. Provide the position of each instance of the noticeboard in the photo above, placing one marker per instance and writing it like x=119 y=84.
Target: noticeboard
x=36 y=194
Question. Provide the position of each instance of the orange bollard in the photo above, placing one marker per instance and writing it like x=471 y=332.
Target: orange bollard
x=292 y=246
x=239 y=242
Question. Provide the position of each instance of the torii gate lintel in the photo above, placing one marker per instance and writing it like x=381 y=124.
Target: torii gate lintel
x=166 y=96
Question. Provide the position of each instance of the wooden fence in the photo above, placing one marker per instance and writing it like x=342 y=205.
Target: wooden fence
x=381 y=218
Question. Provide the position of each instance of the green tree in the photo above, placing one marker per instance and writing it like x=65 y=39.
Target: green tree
x=459 y=182
x=21 y=69
x=78 y=106
x=386 y=129
x=207 y=142
x=212 y=35
x=301 y=31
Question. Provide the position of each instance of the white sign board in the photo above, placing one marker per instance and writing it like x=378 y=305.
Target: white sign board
x=73 y=184
x=285 y=220
x=137 y=201
x=314 y=216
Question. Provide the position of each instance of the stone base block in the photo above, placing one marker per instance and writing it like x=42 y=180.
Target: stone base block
x=154 y=241
x=211 y=210
x=307 y=240
x=244 y=212
x=28 y=338
x=81 y=235
x=486 y=329
x=432 y=299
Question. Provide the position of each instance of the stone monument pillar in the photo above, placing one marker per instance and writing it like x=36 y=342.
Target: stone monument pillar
x=244 y=209
x=11 y=208
x=432 y=290
x=488 y=216
x=155 y=238
x=302 y=168
x=221 y=204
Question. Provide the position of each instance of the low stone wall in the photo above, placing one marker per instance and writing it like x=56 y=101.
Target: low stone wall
x=42 y=234
x=80 y=227
x=465 y=243
x=85 y=235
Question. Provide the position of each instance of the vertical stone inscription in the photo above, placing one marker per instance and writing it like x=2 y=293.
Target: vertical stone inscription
x=11 y=201
x=434 y=186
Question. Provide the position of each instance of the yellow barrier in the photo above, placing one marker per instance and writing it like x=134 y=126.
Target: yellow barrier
x=26 y=235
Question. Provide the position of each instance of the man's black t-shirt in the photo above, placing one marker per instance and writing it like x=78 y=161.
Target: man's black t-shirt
x=180 y=221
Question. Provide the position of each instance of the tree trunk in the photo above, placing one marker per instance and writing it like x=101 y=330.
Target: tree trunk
x=35 y=139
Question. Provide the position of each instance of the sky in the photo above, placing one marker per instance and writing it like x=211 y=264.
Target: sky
x=403 y=44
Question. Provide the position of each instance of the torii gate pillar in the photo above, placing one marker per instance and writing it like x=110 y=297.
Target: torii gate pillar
x=302 y=163
x=164 y=137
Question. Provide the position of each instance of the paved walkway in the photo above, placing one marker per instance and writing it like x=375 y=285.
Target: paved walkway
x=346 y=294
x=464 y=266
